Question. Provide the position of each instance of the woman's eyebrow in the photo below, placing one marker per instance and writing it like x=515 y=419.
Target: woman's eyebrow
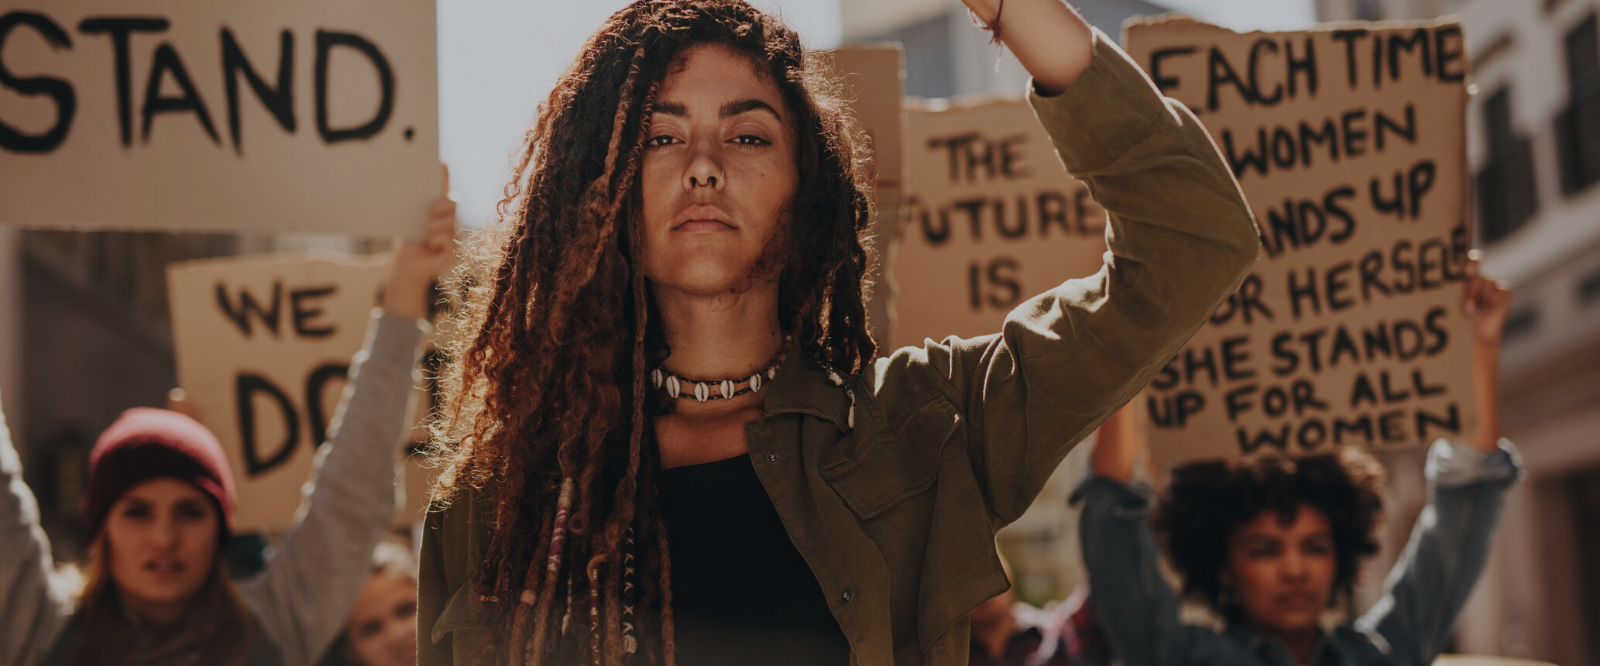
x=737 y=107
x=728 y=110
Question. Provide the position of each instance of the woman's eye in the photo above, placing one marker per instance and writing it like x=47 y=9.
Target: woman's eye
x=191 y=512
x=751 y=140
x=136 y=511
x=366 y=629
x=661 y=140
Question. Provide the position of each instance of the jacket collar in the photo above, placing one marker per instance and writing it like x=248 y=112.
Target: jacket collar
x=802 y=387
x=1264 y=647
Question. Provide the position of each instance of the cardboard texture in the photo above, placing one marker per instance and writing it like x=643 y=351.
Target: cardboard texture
x=1350 y=144
x=871 y=76
x=294 y=115
x=990 y=220
x=263 y=347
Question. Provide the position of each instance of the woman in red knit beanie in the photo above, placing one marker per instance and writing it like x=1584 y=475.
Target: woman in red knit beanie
x=159 y=505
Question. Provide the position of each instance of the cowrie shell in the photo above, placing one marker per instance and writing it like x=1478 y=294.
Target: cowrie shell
x=655 y=377
x=755 y=382
x=672 y=386
x=701 y=392
x=727 y=388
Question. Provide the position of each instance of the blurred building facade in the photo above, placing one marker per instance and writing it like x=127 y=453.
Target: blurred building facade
x=1534 y=146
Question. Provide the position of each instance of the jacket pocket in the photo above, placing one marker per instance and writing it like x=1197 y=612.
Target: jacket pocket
x=895 y=468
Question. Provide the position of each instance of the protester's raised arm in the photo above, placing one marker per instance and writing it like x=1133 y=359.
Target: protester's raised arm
x=1138 y=610
x=1428 y=586
x=34 y=606
x=1050 y=40
x=305 y=593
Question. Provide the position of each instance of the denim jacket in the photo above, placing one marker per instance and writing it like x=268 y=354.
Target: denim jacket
x=1407 y=627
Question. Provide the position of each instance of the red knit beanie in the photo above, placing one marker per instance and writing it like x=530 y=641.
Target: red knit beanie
x=145 y=444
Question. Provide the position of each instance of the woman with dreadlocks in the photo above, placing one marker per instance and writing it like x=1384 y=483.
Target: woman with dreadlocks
x=669 y=440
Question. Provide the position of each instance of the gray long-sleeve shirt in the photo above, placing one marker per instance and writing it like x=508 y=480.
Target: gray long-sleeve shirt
x=302 y=597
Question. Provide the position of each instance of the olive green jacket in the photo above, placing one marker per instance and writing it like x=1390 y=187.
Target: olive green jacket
x=952 y=440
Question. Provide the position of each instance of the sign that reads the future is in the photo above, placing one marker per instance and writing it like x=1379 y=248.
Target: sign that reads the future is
x=1349 y=144
x=290 y=115
x=989 y=219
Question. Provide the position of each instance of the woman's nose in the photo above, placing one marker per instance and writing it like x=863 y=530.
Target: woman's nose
x=705 y=167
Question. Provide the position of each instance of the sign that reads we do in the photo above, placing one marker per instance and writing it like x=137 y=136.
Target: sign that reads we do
x=289 y=115
x=264 y=346
x=989 y=219
x=1349 y=144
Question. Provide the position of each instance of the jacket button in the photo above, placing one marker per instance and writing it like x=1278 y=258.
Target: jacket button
x=772 y=457
x=844 y=597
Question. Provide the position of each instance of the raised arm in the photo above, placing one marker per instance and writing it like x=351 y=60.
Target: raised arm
x=1181 y=238
x=1428 y=586
x=34 y=606
x=1138 y=610
x=305 y=593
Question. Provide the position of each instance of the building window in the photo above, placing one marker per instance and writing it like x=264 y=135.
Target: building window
x=930 y=63
x=1583 y=490
x=1506 y=195
x=1578 y=125
x=1520 y=323
x=1589 y=290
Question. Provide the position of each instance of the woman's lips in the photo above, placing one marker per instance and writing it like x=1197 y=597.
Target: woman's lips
x=703 y=226
x=164 y=569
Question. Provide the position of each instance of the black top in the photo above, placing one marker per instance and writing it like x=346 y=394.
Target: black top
x=741 y=592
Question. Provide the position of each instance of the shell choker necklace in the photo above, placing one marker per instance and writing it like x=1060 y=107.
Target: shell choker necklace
x=713 y=389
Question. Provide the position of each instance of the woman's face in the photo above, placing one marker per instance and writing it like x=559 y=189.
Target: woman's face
x=383 y=622
x=1283 y=572
x=162 y=537
x=718 y=172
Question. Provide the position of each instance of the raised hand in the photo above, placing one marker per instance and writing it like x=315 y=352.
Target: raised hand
x=1486 y=302
x=1050 y=40
x=418 y=263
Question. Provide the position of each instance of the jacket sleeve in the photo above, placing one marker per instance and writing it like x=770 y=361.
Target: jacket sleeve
x=1180 y=239
x=303 y=596
x=1137 y=610
x=1428 y=586
x=34 y=603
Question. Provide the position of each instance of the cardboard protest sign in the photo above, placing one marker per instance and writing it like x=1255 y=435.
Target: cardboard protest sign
x=872 y=84
x=1350 y=145
x=264 y=346
x=292 y=115
x=990 y=219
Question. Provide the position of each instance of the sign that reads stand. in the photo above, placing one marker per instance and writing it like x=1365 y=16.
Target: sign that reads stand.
x=291 y=115
x=1350 y=145
x=989 y=219
x=264 y=346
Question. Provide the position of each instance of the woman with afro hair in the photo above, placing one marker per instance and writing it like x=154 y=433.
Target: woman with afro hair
x=667 y=437
x=1271 y=543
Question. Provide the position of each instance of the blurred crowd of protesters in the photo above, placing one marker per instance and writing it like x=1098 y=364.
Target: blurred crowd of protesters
x=1269 y=543
x=159 y=509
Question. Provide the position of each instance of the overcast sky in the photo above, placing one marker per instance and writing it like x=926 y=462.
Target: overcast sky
x=499 y=58
x=1244 y=15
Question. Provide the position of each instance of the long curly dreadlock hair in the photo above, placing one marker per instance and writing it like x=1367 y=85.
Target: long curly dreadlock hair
x=546 y=408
